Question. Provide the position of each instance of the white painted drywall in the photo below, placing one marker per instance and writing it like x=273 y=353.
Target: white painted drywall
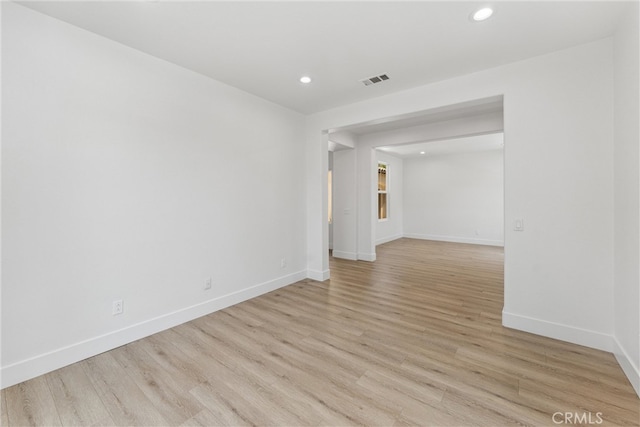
x=317 y=232
x=558 y=124
x=343 y=140
x=473 y=125
x=344 y=205
x=330 y=197
x=127 y=177
x=367 y=193
x=626 y=190
x=456 y=197
x=391 y=228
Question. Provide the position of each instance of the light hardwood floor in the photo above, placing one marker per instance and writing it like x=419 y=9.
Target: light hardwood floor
x=413 y=339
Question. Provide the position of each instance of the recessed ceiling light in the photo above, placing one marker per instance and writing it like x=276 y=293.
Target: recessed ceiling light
x=482 y=14
x=422 y=152
x=305 y=79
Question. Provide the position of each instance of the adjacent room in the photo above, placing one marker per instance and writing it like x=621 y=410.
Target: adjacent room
x=320 y=213
x=440 y=176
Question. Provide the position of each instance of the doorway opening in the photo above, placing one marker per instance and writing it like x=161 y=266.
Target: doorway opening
x=357 y=227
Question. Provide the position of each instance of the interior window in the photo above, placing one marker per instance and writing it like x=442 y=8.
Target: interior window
x=383 y=193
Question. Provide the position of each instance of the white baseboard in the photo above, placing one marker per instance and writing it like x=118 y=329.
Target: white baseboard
x=455 y=239
x=388 y=239
x=630 y=368
x=47 y=362
x=558 y=331
x=366 y=256
x=318 y=275
x=345 y=255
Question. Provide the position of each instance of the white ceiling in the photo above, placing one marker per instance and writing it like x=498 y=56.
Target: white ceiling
x=494 y=141
x=264 y=47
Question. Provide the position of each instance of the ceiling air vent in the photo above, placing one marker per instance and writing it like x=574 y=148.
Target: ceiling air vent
x=375 y=79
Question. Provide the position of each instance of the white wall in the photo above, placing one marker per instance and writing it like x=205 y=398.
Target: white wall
x=330 y=197
x=126 y=177
x=627 y=189
x=473 y=124
x=344 y=205
x=391 y=228
x=558 y=122
x=455 y=197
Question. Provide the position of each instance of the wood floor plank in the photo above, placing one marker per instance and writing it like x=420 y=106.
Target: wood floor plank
x=363 y=348
x=248 y=401
x=124 y=400
x=615 y=408
x=4 y=416
x=403 y=389
x=232 y=351
x=166 y=348
x=492 y=411
x=31 y=404
x=220 y=403
x=76 y=399
x=204 y=418
x=437 y=415
x=163 y=391
x=413 y=339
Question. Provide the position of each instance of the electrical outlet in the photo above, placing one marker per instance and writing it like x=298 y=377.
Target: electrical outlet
x=518 y=224
x=283 y=263
x=208 y=283
x=117 y=307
